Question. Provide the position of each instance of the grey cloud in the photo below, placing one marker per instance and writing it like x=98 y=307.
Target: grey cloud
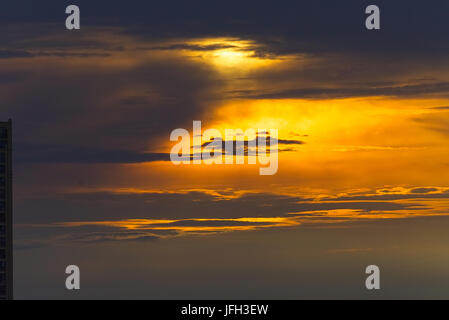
x=422 y=193
x=344 y=92
x=440 y=108
x=185 y=46
x=40 y=218
x=423 y=190
x=192 y=205
x=268 y=141
x=435 y=122
x=26 y=153
x=6 y=54
x=213 y=223
x=86 y=107
x=10 y=54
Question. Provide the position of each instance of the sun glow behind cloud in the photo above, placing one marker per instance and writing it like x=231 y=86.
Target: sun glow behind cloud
x=231 y=56
x=344 y=139
x=347 y=142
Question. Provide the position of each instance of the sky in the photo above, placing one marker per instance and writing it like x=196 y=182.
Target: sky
x=362 y=118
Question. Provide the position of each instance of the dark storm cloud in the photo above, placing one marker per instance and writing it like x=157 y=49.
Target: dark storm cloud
x=351 y=60
x=407 y=27
x=89 y=107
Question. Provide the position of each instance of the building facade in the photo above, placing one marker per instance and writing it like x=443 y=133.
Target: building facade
x=6 y=256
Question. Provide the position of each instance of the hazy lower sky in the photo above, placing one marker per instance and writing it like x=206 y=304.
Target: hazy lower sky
x=362 y=119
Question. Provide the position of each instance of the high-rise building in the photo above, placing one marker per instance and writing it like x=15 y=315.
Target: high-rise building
x=6 y=258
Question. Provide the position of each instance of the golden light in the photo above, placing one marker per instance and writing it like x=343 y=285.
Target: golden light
x=226 y=54
x=230 y=57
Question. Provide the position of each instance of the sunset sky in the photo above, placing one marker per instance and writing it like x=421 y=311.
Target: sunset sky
x=363 y=134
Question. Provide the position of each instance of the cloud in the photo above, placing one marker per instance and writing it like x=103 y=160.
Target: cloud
x=191 y=47
x=423 y=190
x=6 y=54
x=437 y=122
x=219 y=145
x=440 y=108
x=345 y=92
x=387 y=195
x=113 y=102
x=10 y=54
x=216 y=223
x=187 y=205
x=92 y=107
x=109 y=216
x=29 y=153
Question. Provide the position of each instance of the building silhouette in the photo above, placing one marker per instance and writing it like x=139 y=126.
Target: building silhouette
x=6 y=256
